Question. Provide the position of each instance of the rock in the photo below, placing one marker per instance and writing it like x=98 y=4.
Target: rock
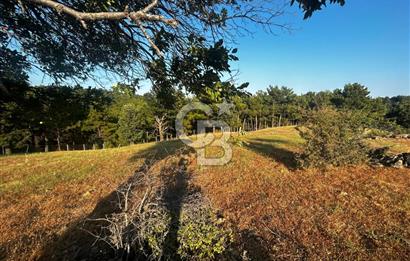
x=398 y=164
x=388 y=160
x=378 y=153
x=378 y=158
x=406 y=159
x=396 y=161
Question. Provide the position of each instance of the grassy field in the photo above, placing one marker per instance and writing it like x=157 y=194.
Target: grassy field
x=276 y=210
x=283 y=213
x=45 y=197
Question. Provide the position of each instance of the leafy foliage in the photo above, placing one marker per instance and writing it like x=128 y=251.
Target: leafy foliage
x=310 y=6
x=53 y=115
x=400 y=110
x=64 y=47
x=201 y=236
x=333 y=138
x=133 y=120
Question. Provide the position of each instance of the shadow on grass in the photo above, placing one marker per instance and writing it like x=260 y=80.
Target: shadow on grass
x=175 y=179
x=158 y=151
x=76 y=243
x=275 y=150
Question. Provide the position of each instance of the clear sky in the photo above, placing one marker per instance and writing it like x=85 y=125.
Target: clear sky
x=365 y=41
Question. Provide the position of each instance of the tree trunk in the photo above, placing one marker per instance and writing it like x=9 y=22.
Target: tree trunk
x=46 y=144
x=256 y=122
x=37 y=143
x=99 y=133
x=280 y=119
x=161 y=134
x=58 y=140
x=160 y=124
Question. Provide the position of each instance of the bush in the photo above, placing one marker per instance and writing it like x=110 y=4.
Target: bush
x=333 y=138
x=201 y=235
x=144 y=227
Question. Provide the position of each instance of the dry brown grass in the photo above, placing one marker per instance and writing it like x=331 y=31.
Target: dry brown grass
x=45 y=198
x=345 y=213
x=278 y=212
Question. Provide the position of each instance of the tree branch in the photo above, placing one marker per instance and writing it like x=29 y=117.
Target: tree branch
x=141 y=15
x=136 y=16
x=157 y=50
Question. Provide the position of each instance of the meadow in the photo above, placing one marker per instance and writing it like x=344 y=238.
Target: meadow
x=275 y=210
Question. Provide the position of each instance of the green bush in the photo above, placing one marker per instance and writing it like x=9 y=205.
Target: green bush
x=333 y=138
x=201 y=235
x=153 y=228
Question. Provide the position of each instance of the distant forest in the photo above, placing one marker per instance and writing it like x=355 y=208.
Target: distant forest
x=38 y=118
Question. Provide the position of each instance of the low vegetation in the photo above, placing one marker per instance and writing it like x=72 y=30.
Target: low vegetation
x=259 y=206
x=333 y=138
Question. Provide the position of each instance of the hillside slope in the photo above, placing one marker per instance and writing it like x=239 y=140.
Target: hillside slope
x=46 y=197
x=276 y=211
x=283 y=213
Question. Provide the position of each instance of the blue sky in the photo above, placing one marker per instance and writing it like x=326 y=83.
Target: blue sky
x=365 y=41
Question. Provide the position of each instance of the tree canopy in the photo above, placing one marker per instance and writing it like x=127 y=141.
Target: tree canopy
x=75 y=38
x=58 y=115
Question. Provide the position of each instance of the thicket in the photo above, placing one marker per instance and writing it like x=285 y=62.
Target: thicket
x=332 y=138
x=153 y=223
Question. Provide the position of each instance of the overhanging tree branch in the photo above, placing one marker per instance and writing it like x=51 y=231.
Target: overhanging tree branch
x=136 y=16
x=141 y=15
x=124 y=36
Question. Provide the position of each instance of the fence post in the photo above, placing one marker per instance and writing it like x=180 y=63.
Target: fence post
x=83 y=146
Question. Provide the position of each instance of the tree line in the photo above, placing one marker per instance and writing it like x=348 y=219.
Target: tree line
x=37 y=118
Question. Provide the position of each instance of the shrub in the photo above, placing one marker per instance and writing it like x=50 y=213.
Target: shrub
x=145 y=228
x=333 y=138
x=201 y=235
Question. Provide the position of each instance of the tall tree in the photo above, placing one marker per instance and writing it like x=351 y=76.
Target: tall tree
x=134 y=121
x=354 y=96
